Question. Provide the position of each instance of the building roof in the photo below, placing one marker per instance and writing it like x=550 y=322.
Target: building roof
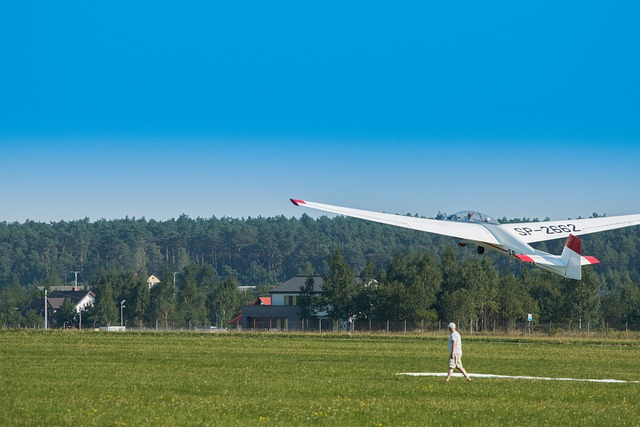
x=293 y=285
x=263 y=301
x=55 y=299
x=55 y=302
x=74 y=296
x=236 y=320
x=62 y=288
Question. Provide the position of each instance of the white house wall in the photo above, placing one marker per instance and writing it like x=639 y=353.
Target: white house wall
x=277 y=299
x=85 y=302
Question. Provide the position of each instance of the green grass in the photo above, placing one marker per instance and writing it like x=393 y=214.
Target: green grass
x=227 y=379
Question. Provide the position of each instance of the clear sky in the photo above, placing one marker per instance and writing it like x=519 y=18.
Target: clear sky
x=153 y=109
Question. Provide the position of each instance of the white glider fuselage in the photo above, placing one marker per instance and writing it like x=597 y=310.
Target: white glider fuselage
x=511 y=245
x=509 y=239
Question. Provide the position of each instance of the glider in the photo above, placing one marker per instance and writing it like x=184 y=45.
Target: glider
x=509 y=239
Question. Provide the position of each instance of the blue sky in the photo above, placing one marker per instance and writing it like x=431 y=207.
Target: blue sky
x=154 y=109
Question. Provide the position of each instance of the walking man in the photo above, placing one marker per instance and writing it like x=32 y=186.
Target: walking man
x=455 y=352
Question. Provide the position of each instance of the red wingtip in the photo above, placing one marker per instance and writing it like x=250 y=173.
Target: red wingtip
x=575 y=244
x=297 y=202
x=592 y=260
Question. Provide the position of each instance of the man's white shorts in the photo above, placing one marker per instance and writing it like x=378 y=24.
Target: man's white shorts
x=456 y=362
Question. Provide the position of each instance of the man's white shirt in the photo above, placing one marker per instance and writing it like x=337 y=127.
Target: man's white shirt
x=455 y=336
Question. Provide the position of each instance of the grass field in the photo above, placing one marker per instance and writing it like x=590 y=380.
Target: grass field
x=227 y=379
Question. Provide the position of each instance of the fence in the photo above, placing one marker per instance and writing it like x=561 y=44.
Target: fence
x=393 y=327
x=404 y=326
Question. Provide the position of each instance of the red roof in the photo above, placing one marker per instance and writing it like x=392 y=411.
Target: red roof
x=236 y=320
x=263 y=301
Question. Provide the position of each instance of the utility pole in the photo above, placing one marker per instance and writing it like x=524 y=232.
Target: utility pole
x=45 y=309
x=121 y=307
x=76 y=279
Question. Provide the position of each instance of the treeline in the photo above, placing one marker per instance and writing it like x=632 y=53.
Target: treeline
x=194 y=297
x=208 y=257
x=423 y=290
x=256 y=251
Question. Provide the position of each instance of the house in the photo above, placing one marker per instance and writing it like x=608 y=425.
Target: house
x=236 y=322
x=55 y=299
x=282 y=311
x=152 y=281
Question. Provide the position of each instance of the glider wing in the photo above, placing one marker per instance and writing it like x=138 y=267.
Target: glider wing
x=460 y=230
x=549 y=230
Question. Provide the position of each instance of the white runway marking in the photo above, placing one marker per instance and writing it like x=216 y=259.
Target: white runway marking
x=513 y=377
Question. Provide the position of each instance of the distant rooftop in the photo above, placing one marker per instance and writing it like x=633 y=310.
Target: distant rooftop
x=294 y=284
x=63 y=288
x=263 y=301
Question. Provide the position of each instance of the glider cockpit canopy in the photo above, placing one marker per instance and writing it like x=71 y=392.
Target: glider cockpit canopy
x=471 y=216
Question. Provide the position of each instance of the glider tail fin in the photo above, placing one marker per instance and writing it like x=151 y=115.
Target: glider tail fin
x=572 y=258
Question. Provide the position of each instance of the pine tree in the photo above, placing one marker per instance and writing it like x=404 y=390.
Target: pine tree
x=191 y=303
x=306 y=300
x=582 y=301
x=163 y=299
x=225 y=300
x=339 y=288
x=140 y=300
x=106 y=311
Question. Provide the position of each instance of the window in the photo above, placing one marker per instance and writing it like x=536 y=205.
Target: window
x=291 y=300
